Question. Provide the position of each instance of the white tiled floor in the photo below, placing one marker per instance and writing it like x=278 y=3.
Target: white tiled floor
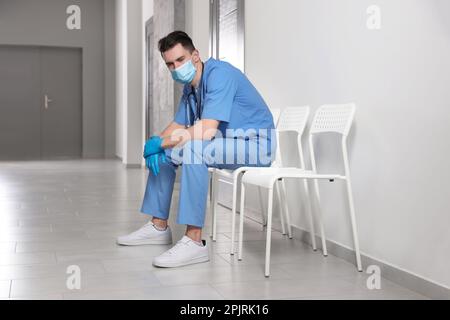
x=62 y=213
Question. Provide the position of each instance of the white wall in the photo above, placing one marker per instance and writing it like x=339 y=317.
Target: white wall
x=197 y=25
x=134 y=140
x=130 y=20
x=305 y=52
x=147 y=13
x=121 y=69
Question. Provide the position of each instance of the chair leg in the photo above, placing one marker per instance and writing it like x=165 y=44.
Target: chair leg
x=211 y=200
x=233 y=215
x=214 y=206
x=210 y=175
x=283 y=225
x=269 y=233
x=241 y=221
x=311 y=219
x=320 y=219
x=286 y=208
x=263 y=210
x=354 y=228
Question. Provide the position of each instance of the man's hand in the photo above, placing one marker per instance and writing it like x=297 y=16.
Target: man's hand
x=152 y=162
x=153 y=146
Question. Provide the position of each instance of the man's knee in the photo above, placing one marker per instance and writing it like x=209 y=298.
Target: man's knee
x=193 y=152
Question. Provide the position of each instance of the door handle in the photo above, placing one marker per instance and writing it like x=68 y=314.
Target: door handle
x=47 y=101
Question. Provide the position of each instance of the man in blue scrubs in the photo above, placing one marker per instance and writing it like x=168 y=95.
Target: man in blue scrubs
x=222 y=122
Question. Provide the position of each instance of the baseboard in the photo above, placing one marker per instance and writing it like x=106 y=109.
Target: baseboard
x=133 y=166
x=392 y=273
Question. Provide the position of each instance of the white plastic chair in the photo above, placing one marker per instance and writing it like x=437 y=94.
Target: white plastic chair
x=328 y=119
x=219 y=175
x=292 y=119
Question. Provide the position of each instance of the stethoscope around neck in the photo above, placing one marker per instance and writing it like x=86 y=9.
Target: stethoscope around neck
x=198 y=103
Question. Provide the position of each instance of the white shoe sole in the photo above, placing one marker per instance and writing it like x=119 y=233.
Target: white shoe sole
x=143 y=242
x=181 y=264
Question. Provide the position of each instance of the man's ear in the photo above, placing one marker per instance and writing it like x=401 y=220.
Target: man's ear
x=196 y=56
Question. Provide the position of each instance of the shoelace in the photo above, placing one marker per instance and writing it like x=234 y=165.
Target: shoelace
x=177 y=247
x=138 y=232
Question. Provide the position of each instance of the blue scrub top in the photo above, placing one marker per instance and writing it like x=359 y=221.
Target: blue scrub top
x=229 y=97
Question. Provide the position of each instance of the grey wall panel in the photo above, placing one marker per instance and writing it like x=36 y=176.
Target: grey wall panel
x=19 y=103
x=43 y=23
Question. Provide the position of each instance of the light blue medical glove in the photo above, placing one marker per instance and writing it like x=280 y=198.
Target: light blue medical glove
x=152 y=162
x=153 y=146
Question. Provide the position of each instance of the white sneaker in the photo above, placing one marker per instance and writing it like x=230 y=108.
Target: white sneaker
x=148 y=234
x=185 y=252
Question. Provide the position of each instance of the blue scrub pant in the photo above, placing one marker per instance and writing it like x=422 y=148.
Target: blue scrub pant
x=194 y=158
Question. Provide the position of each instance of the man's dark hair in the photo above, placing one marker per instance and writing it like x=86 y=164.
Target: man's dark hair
x=174 y=38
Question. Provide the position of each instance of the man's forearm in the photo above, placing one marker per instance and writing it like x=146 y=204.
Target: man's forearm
x=202 y=130
x=168 y=131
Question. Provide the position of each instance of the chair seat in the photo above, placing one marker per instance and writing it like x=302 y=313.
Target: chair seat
x=225 y=173
x=266 y=177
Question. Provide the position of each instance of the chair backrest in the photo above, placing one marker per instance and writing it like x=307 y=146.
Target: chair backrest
x=337 y=118
x=292 y=119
